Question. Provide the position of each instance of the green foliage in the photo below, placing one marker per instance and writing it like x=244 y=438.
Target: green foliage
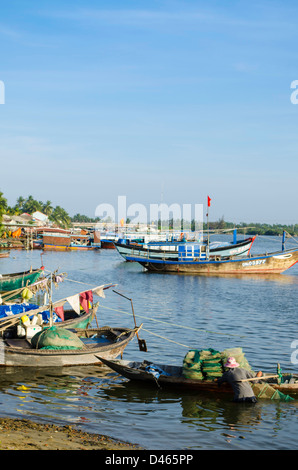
x=60 y=216
x=3 y=207
x=84 y=218
x=31 y=205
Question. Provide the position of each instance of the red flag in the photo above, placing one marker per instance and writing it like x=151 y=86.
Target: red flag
x=60 y=312
x=208 y=201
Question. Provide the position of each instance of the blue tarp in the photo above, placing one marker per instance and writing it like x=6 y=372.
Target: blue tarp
x=8 y=310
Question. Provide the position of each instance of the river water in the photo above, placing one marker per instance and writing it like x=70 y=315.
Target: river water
x=178 y=312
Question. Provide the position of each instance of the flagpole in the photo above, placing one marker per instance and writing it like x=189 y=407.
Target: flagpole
x=208 y=205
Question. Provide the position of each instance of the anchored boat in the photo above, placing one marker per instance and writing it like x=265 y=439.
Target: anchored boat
x=171 y=250
x=14 y=281
x=28 y=343
x=196 y=259
x=172 y=377
x=107 y=342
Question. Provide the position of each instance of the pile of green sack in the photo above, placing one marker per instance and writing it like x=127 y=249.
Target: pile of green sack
x=209 y=363
x=56 y=338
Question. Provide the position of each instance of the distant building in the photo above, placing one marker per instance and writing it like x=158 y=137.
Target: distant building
x=40 y=218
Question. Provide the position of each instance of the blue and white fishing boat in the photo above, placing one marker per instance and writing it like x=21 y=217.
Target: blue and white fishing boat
x=170 y=250
x=196 y=259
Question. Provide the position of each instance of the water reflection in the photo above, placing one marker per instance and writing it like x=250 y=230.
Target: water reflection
x=256 y=313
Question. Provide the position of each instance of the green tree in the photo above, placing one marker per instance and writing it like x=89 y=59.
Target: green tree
x=60 y=217
x=47 y=208
x=3 y=205
x=31 y=205
x=20 y=203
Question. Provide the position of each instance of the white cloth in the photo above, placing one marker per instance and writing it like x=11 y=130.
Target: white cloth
x=99 y=291
x=74 y=302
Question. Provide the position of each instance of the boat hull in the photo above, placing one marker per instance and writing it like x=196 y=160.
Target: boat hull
x=258 y=264
x=107 y=244
x=19 y=353
x=81 y=248
x=10 y=282
x=77 y=321
x=132 y=371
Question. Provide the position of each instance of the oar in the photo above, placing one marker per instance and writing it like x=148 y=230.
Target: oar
x=262 y=377
x=142 y=342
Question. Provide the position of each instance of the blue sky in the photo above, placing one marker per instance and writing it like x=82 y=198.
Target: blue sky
x=154 y=100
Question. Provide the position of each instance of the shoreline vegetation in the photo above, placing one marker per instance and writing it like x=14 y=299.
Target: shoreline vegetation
x=24 y=434
x=61 y=218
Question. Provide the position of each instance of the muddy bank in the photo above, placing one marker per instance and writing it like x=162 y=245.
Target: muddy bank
x=22 y=434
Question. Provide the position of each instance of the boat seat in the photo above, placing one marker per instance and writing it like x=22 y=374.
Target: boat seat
x=18 y=343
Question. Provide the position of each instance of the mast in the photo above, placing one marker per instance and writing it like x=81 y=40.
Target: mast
x=208 y=205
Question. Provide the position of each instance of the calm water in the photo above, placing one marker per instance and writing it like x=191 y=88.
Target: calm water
x=178 y=312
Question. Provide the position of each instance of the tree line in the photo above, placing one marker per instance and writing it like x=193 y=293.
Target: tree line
x=29 y=205
x=59 y=216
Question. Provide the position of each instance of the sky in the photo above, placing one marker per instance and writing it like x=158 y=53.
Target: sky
x=155 y=101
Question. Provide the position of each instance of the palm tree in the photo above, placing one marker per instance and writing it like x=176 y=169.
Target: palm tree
x=47 y=208
x=3 y=204
x=31 y=205
x=20 y=203
x=61 y=217
x=3 y=207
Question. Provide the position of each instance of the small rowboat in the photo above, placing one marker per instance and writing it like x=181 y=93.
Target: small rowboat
x=172 y=376
x=106 y=342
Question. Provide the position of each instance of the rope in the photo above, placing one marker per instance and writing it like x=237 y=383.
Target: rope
x=174 y=324
x=291 y=236
x=278 y=239
x=159 y=321
x=77 y=282
x=155 y=334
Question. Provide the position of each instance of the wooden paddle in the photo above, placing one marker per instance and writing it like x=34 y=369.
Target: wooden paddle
x=142 y=342
x=262 y=377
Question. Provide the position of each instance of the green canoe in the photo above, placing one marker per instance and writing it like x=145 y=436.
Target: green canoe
x=9 y=282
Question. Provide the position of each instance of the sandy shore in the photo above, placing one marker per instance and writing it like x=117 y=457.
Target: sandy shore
x=22 y=434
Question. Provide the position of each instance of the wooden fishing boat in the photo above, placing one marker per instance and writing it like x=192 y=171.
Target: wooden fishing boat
x=56 y=242
x=10 y=282
x=196 y=262
x=171 y=250
x=80 y=315
x=19 y=346
x=106 y=342
x=162 y=375
x=107 y=244
x=81 y=243
x=4 y=255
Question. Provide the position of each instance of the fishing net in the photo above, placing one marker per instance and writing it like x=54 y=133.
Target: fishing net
x=56 y=338
x=238 y=354
x=204 y=364
x=192 y=367
x=209 y=364
x=264 y=390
